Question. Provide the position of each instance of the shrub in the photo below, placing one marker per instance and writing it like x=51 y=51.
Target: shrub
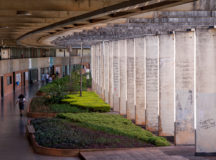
x=89 y=100
x=66 y=108
x=114 y=124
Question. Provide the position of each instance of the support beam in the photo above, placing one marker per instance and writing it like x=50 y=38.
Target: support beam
x=166 y=82
x=206 y=92
x=131 y=80
x=152 y=83
x=140 y=52
x=185 y=50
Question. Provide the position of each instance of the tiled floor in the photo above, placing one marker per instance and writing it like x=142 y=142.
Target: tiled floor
x=13 y=142
x=161 y=153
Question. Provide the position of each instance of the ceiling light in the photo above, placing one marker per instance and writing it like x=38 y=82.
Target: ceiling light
x=23 y=13
x=4 y=27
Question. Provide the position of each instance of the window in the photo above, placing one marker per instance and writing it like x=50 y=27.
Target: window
x=9 y=80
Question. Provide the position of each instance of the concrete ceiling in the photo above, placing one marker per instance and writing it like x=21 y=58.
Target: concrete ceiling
x=30 y=22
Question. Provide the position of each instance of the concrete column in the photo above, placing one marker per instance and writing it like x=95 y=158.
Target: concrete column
x=97 y=69
x=102 y=69
x=152 y=82
x=184 y=77
x=93 y=66
x=131 y=80
x=123 y=76
x=140 y=52
x=106 y=71
x=116 y=78
x=110 y=74
x=206 y=92
x=166 y=83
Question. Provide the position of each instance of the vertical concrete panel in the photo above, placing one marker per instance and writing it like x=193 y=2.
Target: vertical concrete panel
x=184 y=127
x=123 y=76
x=152 y=82
x=140 y=52
x=166 y=83
x=106 y=70
x=130 y=80
x=92 y=66
x=96 y=68
x=111 y=74
x=206 y=92
x=116 y=78
x=100 y=70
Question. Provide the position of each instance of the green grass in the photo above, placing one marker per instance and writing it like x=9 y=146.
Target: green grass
x=114 y=124
x=89 y=100
x=66 y=108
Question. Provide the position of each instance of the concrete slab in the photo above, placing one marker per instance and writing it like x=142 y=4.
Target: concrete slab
x=123 y=76
x=116 y=76
x=140 y=52
x=166 y=83
x=185 y=49
x=131 y=80
x=206 y=92
x=152 y=82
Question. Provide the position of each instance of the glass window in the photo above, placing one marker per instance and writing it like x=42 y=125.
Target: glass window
x=9 y=80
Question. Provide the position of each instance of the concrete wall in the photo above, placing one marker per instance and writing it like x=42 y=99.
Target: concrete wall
x=166 y=82
x=152 y=82
x=185 y=49
x=131 y=95
x=206 y=92
x=106 y=71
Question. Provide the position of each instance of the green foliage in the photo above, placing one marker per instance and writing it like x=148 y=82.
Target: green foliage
x=89 y=100
x=66 y=108
x=114 y=124
x=58 y=133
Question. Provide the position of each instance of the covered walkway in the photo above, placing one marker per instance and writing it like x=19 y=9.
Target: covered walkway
x=14 y=144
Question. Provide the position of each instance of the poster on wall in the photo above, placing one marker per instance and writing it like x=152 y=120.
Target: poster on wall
x=18 y=79
x=5 y=53
x=26 y=76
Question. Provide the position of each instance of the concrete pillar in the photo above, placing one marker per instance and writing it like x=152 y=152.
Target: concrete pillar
x=206 y=92
x=97 y=69
x=166 y=83
x=106 y=71
x=93 y=66
x=110 y=74
x=102 y=69
x=140 y=52
x=131 y=80
x=152 y=82
x=184 y=77
x=116 y=77
x=123 y=76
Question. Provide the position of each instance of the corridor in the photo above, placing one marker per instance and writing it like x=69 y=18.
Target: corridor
x=14 y=144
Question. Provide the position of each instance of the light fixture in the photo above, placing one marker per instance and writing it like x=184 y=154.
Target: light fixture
x=4 y=27
x=23 y=13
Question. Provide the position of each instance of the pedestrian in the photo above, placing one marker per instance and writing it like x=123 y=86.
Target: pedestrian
x=50 y=79
x=21 y=100
x=47 y=77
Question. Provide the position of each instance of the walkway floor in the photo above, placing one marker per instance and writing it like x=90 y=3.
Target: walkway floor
x=160 y=153
x=13 y=142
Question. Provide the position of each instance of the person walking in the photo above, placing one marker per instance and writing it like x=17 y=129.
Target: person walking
x=21 y=100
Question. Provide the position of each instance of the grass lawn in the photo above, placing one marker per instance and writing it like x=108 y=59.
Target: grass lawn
x=114 y=124
x=59 y=133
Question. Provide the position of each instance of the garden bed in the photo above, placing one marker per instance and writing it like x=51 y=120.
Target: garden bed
x=61 y=134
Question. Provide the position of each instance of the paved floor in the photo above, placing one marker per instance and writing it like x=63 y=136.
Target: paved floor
x=13 y=142
x=161 y=153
